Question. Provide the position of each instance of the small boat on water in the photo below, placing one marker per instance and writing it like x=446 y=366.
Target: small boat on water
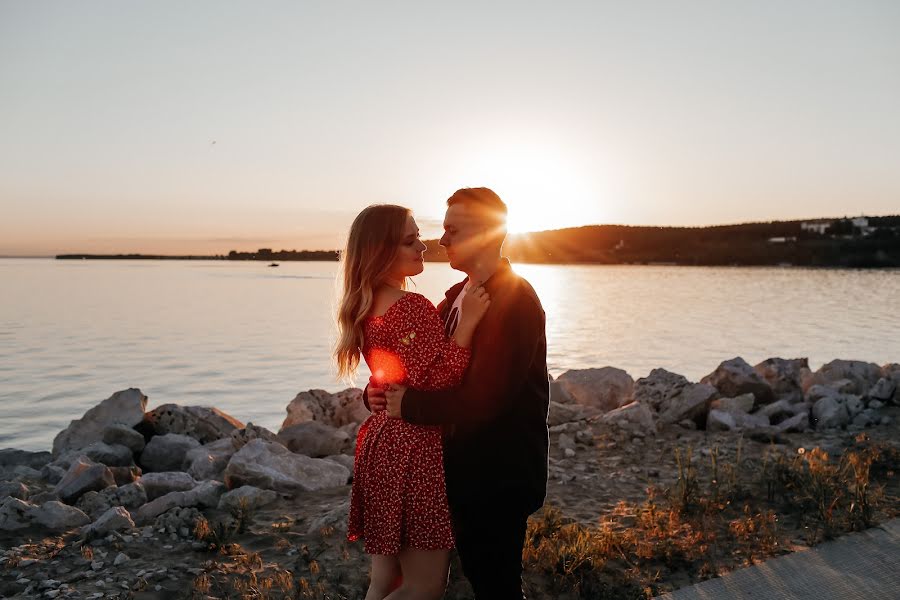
x=273 y=264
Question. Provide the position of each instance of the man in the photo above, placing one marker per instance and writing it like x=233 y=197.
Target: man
x=495 y=423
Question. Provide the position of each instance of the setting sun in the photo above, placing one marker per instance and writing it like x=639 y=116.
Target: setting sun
x=541 y=184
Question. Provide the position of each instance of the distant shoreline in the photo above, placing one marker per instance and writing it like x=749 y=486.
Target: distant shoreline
x=862 y=242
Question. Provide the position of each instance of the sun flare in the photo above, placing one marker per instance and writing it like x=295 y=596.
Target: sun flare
x=541 y=185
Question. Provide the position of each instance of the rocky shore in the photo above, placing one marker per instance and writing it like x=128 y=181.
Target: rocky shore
x=187 y=501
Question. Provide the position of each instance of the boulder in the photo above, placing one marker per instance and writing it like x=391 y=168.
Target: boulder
x=735 y=377
x=122 y=435
x=603 y=389
x=252 y=496
x=240 y=437
x=784 y=376
x=854 y=404
x=692 y=403
x=15 y=489
x=209 y=461
x=203 y=423
x=743 y=403
x=658 y=388
x=125 y=475
x=111 y=456
x=558 y=394
x=334 y=520
x=166 y=452
x=564 y=413
x=314 y=438
x=721 y=420
x=130 y=496
x=83 y=476
x=332 y=409
x=11 y=458
x=565 y=442
x=269 y=465
x=795 y=424
x=14 y=514
x=58 y=516
x=634 y=416
x=866 y=418
x=162 y=483
x=830 y=413
x=783 y=409
x=116 y=518
x=345 y=460
x=883 y=390
x=862 y=375
x=205 y=495
x=125 y=407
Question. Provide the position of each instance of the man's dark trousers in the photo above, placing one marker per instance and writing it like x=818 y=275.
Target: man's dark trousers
x=489 y=539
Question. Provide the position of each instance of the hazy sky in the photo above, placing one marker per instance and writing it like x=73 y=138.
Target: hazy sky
x=179 y=127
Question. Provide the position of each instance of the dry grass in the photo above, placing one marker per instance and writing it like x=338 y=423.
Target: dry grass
x=704 y=524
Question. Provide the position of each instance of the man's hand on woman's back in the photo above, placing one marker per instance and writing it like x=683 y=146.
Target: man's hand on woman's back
x=377 y=401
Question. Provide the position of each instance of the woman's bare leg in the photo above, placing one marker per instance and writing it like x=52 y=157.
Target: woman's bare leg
x=385 y=576
x=424 y=574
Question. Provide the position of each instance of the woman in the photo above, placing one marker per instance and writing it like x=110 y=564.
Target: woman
x=399 y=499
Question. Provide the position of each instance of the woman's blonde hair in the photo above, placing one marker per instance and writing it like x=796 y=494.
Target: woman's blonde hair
x=372 y=246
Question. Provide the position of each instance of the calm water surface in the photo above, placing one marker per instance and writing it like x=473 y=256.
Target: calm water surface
x=246 y=338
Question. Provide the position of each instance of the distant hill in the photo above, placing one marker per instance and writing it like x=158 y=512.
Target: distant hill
x=772 y=243
x=859 y=242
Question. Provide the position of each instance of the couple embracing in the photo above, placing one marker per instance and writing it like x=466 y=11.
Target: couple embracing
x=455 y=451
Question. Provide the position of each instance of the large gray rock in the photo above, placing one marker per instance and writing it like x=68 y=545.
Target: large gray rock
x=691 y=403
x=162 y=483
x=269 y=465
x=634 y=416
x=167 y=452
x=205 y=495
x=58 y=516
x=743 y=403
x=332 y=409
x=603 y=389
x=83 y=476
x=883 y=390
x=830 y=413
x=314 y=438
x=209 y=461
x=735 y=377
x=863 y=375
x=252 y=496
x=116 y=518
x=130 y=496
x=783 y=409
x=14 y=514
x=240 y=437
x=721 y=420
x=785 y=376
x=658 y=388
x=203 y=423
x=16 y=489
x=11 y=458
x=795 y=424
x=125 y=407
x=109 y=455
x=123 y=435
x=564 y=413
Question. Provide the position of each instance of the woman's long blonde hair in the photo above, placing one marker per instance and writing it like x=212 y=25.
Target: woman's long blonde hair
x=372 y=246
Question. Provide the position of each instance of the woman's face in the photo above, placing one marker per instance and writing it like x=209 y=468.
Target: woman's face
x=410 y=259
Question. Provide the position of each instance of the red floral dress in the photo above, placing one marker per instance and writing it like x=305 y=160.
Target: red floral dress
x=399 y=497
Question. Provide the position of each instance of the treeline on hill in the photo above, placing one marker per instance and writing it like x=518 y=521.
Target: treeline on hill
x=266 y=254
x=745 y=244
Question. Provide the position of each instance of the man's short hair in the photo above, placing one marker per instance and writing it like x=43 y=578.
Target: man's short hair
x=484 y=200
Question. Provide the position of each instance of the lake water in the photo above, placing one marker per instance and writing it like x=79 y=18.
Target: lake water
x=247 y=338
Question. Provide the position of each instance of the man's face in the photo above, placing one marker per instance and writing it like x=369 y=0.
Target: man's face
x=465 y=236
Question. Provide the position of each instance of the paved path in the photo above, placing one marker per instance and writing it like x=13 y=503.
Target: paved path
x=864 y=566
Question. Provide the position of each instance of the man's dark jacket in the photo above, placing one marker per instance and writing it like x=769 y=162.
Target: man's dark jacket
x=495 y=422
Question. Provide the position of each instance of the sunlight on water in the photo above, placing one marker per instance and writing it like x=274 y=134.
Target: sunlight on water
x=246 y=338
